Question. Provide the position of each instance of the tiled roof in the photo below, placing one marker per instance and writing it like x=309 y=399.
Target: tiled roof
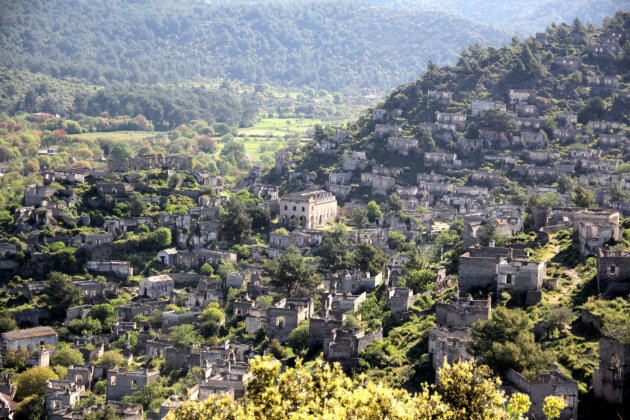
x=28 y=333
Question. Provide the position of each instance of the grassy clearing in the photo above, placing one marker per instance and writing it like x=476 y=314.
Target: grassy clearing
x=119 y=135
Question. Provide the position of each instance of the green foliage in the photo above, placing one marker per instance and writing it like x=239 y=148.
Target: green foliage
x=59 y=294
x=396 y=241
x=374 y=211
x=298 y=338
x=7 y=323
x=582 y=197
x=206 y=270
x=149 y=396
x=31 y=408
x=359 y=217
x=33 y=382
x=506 y=341
x=369 y=258
x=334 y=248
x=394 y=202
x=105 y=413
x=418 y=280
x=235 y=222
x=183 y=336
x=291 y=272
x=67 y=357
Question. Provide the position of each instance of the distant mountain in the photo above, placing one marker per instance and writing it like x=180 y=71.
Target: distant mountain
x=331 y=45
x=517 y=16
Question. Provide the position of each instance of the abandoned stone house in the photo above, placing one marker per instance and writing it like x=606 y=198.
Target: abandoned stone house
x=478 y=107
x=521 y=277
x=340 y=177
x=567 y=119
x=114 y=189
x=567 y=134
x=546 y=384
x=449 y=340
x=568 y=63
x=536 y=156
x=611 y=381
x=148 y=162
x=450 y=121
x=386 y=130
x=526 y=110
x=441 y=159
x=31 y=338
x=342 y=301
x=488 y=178
x=400 y=300
x=353 y=160
x=478 y=268
x=402 y=145
x=155 y=287
x=594 y=229
x=584 y=154
x=120 y=269
x=604 y=126
x=200 y=256
x=59 y=395
x=469 y=145
x=38 y=195
x=309 y=208
x=122 y=382
x=610 y=141
x=379 y=114
x=613 y=273
x=518 y=96
x=344 y=347
x=353 y=281
x=533 y=139
x=439 y=96
x=286 y=315
x=341 y=191
x=603 y=82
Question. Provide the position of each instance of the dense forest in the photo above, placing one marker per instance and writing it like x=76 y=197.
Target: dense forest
x=164 y=105
x=321 y=44
x=522 y=16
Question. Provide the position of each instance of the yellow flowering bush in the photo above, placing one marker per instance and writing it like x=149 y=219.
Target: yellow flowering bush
x=324 y=392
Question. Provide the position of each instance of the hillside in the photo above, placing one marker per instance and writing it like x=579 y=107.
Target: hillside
x=329 y=45
x=487 y=75
x=522 y=17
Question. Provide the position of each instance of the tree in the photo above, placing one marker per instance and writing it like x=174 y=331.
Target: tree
x=105 y=413
x=207 y=144
x=159 y=239
x=566 y=184
x=334 y=248
x=7 y=323
x=67 y=357
x=394 y=202
x=137 y=207
x=506 y=341
x=299 y=337
x=112 y=358
x=206 y=270
x=106 y=314
x=582 y=197
x=369 y=258
x=325 y=392
x=374 y=211
x=359 y=217
x=31 y=408
x=33 y=381
x=594 y=109
x=419 y=280
x=426 y=141
x=120 y=150
x=500 y=121
x=59 y=294
x=174 y=181
x=396 y=241
x=235 y=222
x=291 y=272
x=470 y=391
x=183 y=336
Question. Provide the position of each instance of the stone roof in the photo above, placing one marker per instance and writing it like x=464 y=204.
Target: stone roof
x=29 y=333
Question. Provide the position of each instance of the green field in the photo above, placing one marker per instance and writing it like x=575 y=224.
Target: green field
x=294 y=127
x=119 y=135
